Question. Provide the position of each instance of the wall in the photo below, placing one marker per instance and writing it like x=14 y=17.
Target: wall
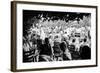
x=5 y=36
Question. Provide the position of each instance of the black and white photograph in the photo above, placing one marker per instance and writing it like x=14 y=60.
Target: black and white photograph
x=56 y=36
x=49 y=36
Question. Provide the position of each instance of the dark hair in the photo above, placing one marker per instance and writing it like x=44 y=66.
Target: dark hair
x=73 y=40
x=85 y=39
x=46 y=41
x=85 y=52
x=63 y=46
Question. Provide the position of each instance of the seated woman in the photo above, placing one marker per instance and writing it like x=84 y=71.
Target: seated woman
x=45 y=51
x=66 y=53
x=74 y=54
x=57 y=51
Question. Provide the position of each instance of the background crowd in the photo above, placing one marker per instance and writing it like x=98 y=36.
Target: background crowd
x=56 y=39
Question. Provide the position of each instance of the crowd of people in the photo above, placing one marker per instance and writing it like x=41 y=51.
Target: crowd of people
x=56 y=43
